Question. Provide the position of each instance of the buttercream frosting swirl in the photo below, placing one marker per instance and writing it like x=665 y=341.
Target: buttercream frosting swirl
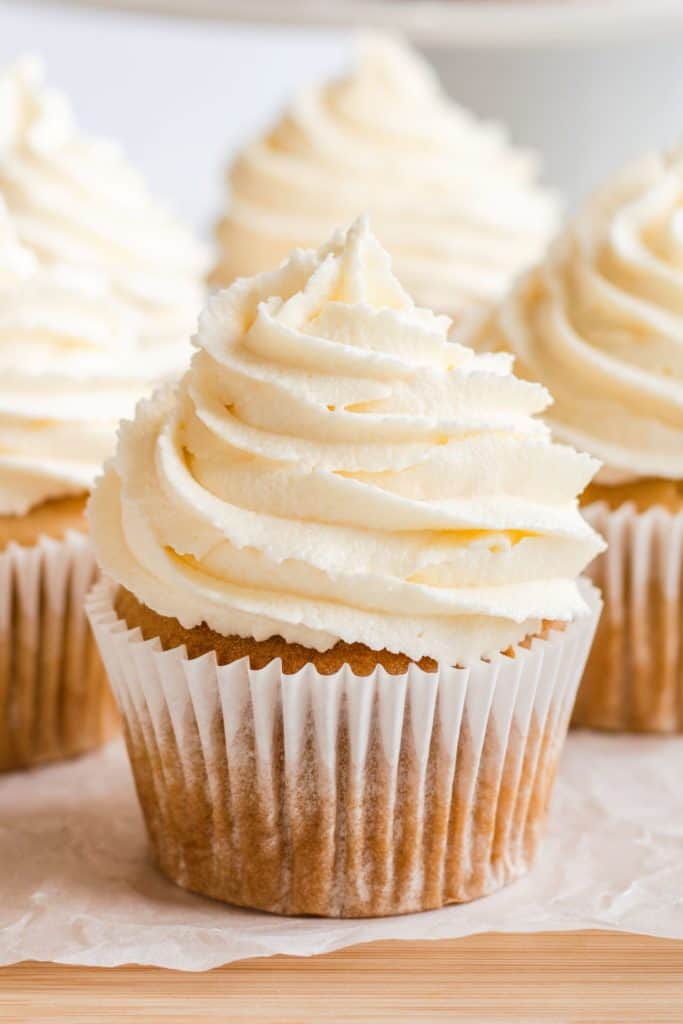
x=75 y=200
x=600 y=323
x=456 y=206
x=70 y=367
x=333 y=467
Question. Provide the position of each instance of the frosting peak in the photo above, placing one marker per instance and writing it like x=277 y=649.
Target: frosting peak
x=456 y=206
x=332 y=467
x=601 y=324
x=74 y=200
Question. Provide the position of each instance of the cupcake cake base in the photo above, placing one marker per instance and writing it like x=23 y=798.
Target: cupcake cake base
x=346 y=791
x=55 y=701
x=634 y=676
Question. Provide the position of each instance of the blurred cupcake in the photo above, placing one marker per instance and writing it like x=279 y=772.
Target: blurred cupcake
x=75 y=200
x=345 y=653
x=90 y=321
x=601 y=324
x=458 y=209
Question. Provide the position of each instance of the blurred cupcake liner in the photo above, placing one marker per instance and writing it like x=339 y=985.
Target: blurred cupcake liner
x=342 y=795
x=634 y=677
x=54 y=698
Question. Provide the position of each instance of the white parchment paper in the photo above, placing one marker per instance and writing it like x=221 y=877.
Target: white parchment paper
x=77 y=886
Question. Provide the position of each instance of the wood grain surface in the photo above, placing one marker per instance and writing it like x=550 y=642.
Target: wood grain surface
x=571 y=978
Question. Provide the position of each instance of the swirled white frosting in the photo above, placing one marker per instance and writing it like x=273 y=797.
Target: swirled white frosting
x=600 y=323
x=16 y=262
x=455 y=205
x=70 y=367
x=76 y=201
x=332 y=467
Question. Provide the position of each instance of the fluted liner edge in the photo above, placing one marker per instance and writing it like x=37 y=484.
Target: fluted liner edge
x=341 y=795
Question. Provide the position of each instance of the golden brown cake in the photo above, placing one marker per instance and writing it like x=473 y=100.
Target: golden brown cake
x=644 y=494
x=52 y=518
x=202 y=640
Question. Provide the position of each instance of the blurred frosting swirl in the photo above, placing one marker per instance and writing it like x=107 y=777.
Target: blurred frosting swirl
x=600 y=323
x=332 y=467
x=458 y=208
x=75 y=200
x=70 y=367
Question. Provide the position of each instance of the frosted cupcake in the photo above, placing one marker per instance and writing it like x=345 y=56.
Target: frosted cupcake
x=456 y=206
x=601 y=324
x=345 y=655
x=61 y=338
x=88 y=324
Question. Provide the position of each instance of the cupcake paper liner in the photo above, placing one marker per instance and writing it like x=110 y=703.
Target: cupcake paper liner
x=342 y=795
x=54 y=697
x=634 y=677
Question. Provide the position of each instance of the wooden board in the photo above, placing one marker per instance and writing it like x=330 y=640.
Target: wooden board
x=593 y=977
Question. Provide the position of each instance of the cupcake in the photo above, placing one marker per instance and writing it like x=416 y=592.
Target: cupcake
x=600 y=323
x=86 y=328
x=340 y=609
x=459 y=210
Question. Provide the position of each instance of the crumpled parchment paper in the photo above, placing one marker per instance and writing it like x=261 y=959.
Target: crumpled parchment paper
x=77 y=885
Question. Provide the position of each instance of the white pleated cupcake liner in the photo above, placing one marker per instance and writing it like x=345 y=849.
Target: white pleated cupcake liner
x=54 y=697
x=341 y=795
x=634 y=676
